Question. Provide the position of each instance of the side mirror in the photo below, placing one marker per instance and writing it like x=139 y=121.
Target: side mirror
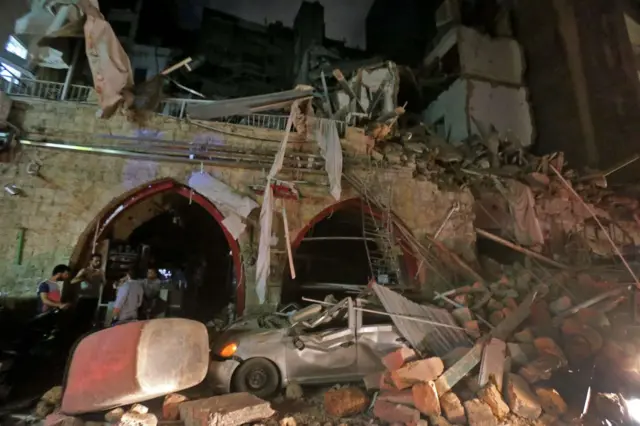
x=135 y=362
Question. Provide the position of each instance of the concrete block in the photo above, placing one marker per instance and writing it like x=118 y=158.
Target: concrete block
x=551 y=401
x=396 y=413
x=479 y=413
x=404 y=397
x=452 y=408
x=491 y=396
x=420 y=371
x=171 y=405
x=233 y=409
x=522 y=401
x=57 y=419
x=345 y=401
x=398 y=358
x=425 y=399
x=492 y=364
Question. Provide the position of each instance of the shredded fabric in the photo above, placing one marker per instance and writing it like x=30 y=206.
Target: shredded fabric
x=326 y=134
x=263 y=263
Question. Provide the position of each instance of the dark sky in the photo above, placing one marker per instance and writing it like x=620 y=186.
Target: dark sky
x=344 y=19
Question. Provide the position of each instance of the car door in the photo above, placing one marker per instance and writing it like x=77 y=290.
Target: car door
x=325 y=352
x=376 y=336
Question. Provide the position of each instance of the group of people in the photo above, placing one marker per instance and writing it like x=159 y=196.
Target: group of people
x=135 y=297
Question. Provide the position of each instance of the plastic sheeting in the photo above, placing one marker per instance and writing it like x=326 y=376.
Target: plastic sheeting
x=232 y=205
x=263 y=264
x=326 y=134
x=108 y=61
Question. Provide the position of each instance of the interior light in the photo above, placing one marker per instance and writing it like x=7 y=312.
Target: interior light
x=228 y=350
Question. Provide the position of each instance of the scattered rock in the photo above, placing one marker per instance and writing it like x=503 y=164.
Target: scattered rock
x=53 y=396
x=520 y=398
x=524 y=336
x=472 y=328
x=43 y=409
x=395 y=413
x=548 y=346
x=345 y=402
x=521 y=353
x=551 y=401
x=479 y=413
x=462 y=315
x=560 y=305
x=541 y=368
x=114 y=415
x=139 y=408
x=171 y=405
x=398 y=358
x=452 y=408
x=496 y=317
x=232 y=409
x=611 y=406
x=490 y=395
x=288 y=421
x=425 y=399
x=294 y=391
x=415 y=372
x=439 y=421
x=135 y=418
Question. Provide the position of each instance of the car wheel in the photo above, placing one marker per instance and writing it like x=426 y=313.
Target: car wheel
x=258 y=376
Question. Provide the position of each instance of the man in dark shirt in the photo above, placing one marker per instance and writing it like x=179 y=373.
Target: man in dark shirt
x=90 y=281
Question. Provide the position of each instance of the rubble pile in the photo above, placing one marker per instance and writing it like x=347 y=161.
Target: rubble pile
x=526 y=336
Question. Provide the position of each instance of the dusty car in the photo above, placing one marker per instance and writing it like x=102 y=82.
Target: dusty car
x=316 y=345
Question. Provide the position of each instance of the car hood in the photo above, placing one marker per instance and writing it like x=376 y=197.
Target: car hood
x=245 y=331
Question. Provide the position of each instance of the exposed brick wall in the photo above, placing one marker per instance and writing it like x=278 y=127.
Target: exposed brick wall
x=75 y=188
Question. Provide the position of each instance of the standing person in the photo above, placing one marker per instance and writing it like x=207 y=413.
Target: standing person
x=90 y=280
x=49 y=291
x=154 y=306
x=128 y=299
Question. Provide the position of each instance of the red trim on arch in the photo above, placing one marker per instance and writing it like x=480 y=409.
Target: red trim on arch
x=408 y=256
x=169 y=185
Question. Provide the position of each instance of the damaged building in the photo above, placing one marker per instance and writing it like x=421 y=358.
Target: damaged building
x=479 y=212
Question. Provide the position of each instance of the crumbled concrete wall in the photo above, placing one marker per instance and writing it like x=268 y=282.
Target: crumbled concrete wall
x=497 y=59
x=73 y=189
x=468 y=101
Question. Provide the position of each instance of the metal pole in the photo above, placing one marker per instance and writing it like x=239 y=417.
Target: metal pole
x=67 y=79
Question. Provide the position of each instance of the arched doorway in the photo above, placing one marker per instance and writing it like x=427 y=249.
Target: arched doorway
x=342 y=248
x=178 y=229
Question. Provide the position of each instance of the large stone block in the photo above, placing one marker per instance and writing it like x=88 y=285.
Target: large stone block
x=233 y=409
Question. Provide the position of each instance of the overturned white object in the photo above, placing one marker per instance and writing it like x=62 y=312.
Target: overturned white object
x=233 y=206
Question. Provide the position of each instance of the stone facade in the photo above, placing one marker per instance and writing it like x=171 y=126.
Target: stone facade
x=59 y=207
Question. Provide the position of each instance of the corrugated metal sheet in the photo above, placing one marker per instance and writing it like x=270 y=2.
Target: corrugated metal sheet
x=425 y=338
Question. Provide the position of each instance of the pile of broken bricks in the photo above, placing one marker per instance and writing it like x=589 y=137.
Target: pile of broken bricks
x=504 y=378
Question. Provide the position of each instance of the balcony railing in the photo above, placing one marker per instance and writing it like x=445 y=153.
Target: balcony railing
x=172 y=107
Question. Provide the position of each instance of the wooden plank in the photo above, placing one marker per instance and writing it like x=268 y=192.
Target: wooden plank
x=493 y=362
x=460 y=369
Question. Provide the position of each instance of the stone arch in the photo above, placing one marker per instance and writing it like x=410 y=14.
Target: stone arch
x=410 y=261
x=114 y=202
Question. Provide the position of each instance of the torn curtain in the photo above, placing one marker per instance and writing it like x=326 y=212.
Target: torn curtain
x=263 y=263
x=326 y=134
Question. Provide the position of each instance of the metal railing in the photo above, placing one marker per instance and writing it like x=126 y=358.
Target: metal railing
x=49 y=90
x=171 y=107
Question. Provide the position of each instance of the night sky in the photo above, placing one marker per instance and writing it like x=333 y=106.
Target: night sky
x=344 y=19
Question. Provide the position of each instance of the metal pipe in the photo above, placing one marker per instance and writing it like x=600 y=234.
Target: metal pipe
x=169 y=158
x=69 y=76
x=20 y=246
